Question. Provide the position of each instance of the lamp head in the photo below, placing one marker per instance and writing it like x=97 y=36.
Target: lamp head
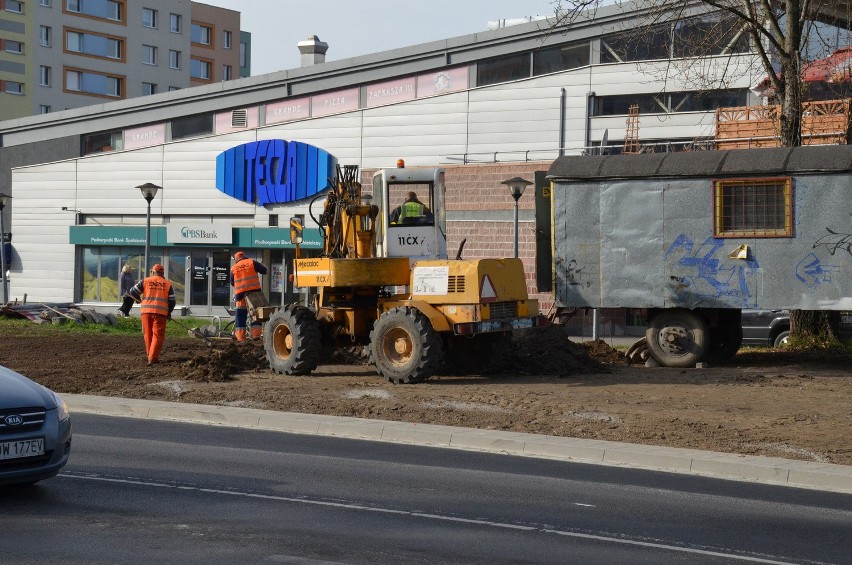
x=149 y=191
x=4 y=199
x=516 y=186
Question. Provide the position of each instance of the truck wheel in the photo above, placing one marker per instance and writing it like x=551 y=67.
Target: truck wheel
x=677 y=338
x=404 y=347
x=292 y=341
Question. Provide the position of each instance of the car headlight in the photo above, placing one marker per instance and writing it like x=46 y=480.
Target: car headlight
x=61 y=408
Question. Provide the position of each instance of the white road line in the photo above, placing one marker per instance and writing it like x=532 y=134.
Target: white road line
x=359 y=507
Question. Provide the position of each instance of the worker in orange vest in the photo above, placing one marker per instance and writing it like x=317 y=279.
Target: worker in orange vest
x=157 y=297
x=244 y=278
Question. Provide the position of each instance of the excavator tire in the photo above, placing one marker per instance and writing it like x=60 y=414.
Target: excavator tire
x=404 y=347
x=292 y=341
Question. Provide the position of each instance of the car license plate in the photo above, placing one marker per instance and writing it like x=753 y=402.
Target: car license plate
x=22 y=448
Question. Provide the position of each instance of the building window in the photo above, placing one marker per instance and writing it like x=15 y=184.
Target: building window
x=201 y=34
x=149 y=55
x=94 y=83
x=200 y=69
x=45 y=3
x=15 y=47
x=504 y=69
x=45 y=36
x=101 y=142
x=173 y=88
x=671 y=102
x=226 y=39
x=94 y=45
x=102 y=9
x=760 y=207
x=243 y=55
x=43 y=109
x=148 y=88
x=149 y=17
x=175 y=23
x=174 y=59
x=561 y=58
x=192 y=126
x=11 y=87
x=226 y=72
x=44 y=76
x=15 y=6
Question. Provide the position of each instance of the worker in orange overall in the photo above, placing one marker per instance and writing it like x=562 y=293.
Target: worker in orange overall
x=244 y=278
x=157 y=297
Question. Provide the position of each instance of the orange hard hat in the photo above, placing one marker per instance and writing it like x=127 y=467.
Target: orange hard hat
x=239 y=256
x=158 y=269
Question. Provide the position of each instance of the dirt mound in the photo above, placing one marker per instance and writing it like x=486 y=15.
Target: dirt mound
x=221 y=364
x=548 y=351
x=770 y=402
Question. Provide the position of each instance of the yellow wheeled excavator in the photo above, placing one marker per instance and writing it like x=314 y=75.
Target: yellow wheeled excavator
x=384 y=284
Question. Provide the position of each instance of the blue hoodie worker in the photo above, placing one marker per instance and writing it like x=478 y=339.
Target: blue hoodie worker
x=158 y=300
x=244 y=278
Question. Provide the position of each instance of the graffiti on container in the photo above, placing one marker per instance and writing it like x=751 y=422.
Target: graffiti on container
x=573 y=274
x=710 y=273
x=835 y=241
x=811 y=272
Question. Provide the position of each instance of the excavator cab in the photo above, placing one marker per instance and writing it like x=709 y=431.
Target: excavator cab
x=412 y=222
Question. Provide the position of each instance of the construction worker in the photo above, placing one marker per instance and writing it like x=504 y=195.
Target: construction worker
x=157 y=297
x=412 y=211
x=244 y=278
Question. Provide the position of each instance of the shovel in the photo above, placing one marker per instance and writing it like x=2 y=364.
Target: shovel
x=197 y=333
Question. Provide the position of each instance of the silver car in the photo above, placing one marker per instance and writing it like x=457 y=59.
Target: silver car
x=35 y=430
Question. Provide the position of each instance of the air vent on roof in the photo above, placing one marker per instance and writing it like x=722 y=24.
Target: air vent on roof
x=239 y=119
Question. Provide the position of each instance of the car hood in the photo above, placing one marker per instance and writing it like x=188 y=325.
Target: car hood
x=17 y=391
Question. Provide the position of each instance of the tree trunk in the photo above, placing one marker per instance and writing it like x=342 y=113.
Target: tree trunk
x=815 y=327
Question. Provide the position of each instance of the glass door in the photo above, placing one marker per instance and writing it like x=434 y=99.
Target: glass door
x=199 y=275
x=221 y=288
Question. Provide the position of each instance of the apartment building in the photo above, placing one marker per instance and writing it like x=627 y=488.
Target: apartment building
x=61 y=54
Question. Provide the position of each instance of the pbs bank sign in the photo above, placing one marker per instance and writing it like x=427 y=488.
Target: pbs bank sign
x=275 y=171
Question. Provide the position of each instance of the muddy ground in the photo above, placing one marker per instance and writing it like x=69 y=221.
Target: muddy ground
x=796 y=405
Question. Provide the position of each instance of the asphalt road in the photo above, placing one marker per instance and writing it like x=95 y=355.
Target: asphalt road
x=141 y=491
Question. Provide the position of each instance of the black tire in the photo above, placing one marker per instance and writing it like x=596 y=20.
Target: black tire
x=726 y=337
x=782 y=339
x=677 y=338
x=292 y=341
x=404 y=347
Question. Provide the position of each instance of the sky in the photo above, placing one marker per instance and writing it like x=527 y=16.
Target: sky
x=359 y=27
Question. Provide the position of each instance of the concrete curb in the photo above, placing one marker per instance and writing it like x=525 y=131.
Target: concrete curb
x=770 y=470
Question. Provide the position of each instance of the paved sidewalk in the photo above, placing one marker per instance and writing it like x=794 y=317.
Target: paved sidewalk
x=770 y=470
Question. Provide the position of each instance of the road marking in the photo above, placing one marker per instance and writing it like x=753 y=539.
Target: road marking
x=428 y=516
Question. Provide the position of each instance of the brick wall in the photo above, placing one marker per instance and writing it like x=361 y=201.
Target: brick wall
x=477 y=188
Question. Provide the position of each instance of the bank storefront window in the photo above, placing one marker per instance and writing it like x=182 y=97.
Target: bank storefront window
x=102 y=268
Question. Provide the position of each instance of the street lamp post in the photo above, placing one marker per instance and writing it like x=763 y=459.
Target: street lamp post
x=4 y=198
x=149 y=191
x=516 y=187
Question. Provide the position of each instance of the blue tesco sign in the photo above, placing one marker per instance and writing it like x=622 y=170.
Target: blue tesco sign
x=276 y=171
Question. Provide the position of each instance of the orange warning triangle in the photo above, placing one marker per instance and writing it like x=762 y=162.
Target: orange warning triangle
x=486 y=290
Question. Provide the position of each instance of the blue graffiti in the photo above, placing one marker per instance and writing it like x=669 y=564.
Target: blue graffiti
x=811 y=272
x=711 y=277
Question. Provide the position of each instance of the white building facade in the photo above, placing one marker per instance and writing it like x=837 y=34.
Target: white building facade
x=517 y=96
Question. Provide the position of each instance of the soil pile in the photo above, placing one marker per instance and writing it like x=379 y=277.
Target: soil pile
x=779 y=403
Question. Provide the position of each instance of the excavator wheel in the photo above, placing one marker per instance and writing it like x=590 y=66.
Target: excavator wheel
x=404 y=347
x=292 y=341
